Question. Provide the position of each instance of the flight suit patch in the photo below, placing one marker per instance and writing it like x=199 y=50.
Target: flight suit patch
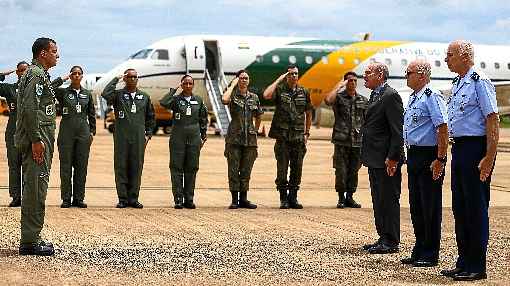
x=178 y=116
x=39 y=89
x=193 y=102
x=65 y=110
x=121 y=114
x=71 y=96
x=139 y=96
x=49 y=110
x=83 y=96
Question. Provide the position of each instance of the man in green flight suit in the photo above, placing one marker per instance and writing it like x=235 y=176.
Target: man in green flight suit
x=291 y=128
x=34 y=137
x=134 y=123
x=8 y=91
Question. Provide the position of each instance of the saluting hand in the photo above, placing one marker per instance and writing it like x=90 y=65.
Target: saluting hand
x=282 y=76
x=485 y=167
x=437 y=169
x=38 y=152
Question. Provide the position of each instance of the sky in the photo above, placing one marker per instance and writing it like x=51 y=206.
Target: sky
x=99 y=34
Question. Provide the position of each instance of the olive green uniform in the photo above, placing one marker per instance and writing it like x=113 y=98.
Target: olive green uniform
x=188 y=131
x=134 y=119
x=241 y=139
x=288 y=127
x=8 y=91
x=349 y=117
x=77 y=126
x=35 y=122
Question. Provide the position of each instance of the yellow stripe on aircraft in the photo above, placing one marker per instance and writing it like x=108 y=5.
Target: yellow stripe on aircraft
x=325 y=74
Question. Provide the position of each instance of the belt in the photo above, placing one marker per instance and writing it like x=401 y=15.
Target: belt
x=422 y=148
x=465 y=139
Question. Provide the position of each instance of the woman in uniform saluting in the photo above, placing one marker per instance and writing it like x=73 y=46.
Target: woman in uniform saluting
x=189 y=116
x=241 y=139
x=77 y=128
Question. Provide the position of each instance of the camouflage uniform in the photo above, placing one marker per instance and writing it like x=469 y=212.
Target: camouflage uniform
x=288 y=127
x=349 y=116
x=8 y=91
x=35 y=122
x=241 y=142
x=74 y=138
x=189 y=128
x=134 y=119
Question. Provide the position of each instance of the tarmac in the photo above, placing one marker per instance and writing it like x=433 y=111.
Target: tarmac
x=212 y=245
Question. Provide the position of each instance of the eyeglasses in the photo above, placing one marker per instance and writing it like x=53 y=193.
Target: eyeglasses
x=409 y=73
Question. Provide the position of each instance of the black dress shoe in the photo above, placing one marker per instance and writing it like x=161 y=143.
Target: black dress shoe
x=424 y=263
x=16 y=202
x=351 y=203
x=340 y=205
x=121 y=205
x=37 y=248
x=383 y=249
x=407 y=260
x=467 y=276
x=190 y=205
x=370 y=245
x=65 y=204
x=79 y=204
x=247 y=205
x=451 y=272
x=178 y=206
x=136 y=205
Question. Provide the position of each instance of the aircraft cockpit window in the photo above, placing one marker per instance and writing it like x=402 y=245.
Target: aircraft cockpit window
x=143 y=54
x=160 y=55
x=438 y=63
x=496 y=66
x=309 y=60
x=508 y=66
x=292 y=59
x=259 y=58
x=483 y=65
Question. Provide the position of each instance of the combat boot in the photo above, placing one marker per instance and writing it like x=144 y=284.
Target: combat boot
x=341 y=200
x=178 y=203
x=235 y=201
x=293 y=202
x=65 y=204
x=284 y=201
x=350 y=202
x=37 y=248
x=16 y=202
x=244 y=202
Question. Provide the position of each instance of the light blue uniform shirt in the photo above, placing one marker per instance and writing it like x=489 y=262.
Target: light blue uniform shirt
x=425 y=111
x=473 y=99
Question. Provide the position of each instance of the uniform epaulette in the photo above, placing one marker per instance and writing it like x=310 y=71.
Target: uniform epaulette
x=428 y=92
x=475 y=76
x=456 y=79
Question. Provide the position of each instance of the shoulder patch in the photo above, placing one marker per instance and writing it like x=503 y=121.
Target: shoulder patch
x=475 y=76
x=428 y=92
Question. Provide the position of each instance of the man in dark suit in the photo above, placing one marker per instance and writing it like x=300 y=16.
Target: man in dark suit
x=381 y=152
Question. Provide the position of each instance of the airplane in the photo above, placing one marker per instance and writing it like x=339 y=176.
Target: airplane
x=213 y=60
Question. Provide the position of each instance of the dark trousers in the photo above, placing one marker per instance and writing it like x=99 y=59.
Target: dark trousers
x=470 y=200
x=346 y=161
x=425 y=195
x=240 y=160
x=289 y=154
x=385 y=192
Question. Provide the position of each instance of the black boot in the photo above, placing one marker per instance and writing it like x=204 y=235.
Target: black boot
x=235 y=201
x=244 y=202
x=16 y=202
x=293 y=202
x=284 y=202
x=341 y=200
x=350 y=202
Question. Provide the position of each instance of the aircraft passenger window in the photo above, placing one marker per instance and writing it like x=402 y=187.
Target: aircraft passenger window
x=341 y=60
x=276 y=59
x=292 y=59
x=404 y=62
x=309 y=60
x=324 y=60
x=160 y=55
x=388 y=62
x=143 y=54
x=496 y=66
x=259 y=58
x=357 y=61
x=373 y=60
x=508 y=66
x=482 y=65
x=438 y=63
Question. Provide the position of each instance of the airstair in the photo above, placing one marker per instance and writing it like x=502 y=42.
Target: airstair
x=215 y=89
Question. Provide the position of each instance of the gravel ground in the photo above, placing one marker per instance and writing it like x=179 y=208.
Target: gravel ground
x=319 y=245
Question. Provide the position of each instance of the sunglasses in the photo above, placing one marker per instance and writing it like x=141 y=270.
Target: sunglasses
x=132 y=77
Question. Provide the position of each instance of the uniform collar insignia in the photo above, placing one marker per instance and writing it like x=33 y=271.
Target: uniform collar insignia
x=428 y=92
x=475 y=76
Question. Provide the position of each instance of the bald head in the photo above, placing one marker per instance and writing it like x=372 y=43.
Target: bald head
x=375 y=75
x=418 y=74
x=460 y=56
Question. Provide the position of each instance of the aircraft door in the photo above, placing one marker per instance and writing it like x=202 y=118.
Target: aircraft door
x=195 y=57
